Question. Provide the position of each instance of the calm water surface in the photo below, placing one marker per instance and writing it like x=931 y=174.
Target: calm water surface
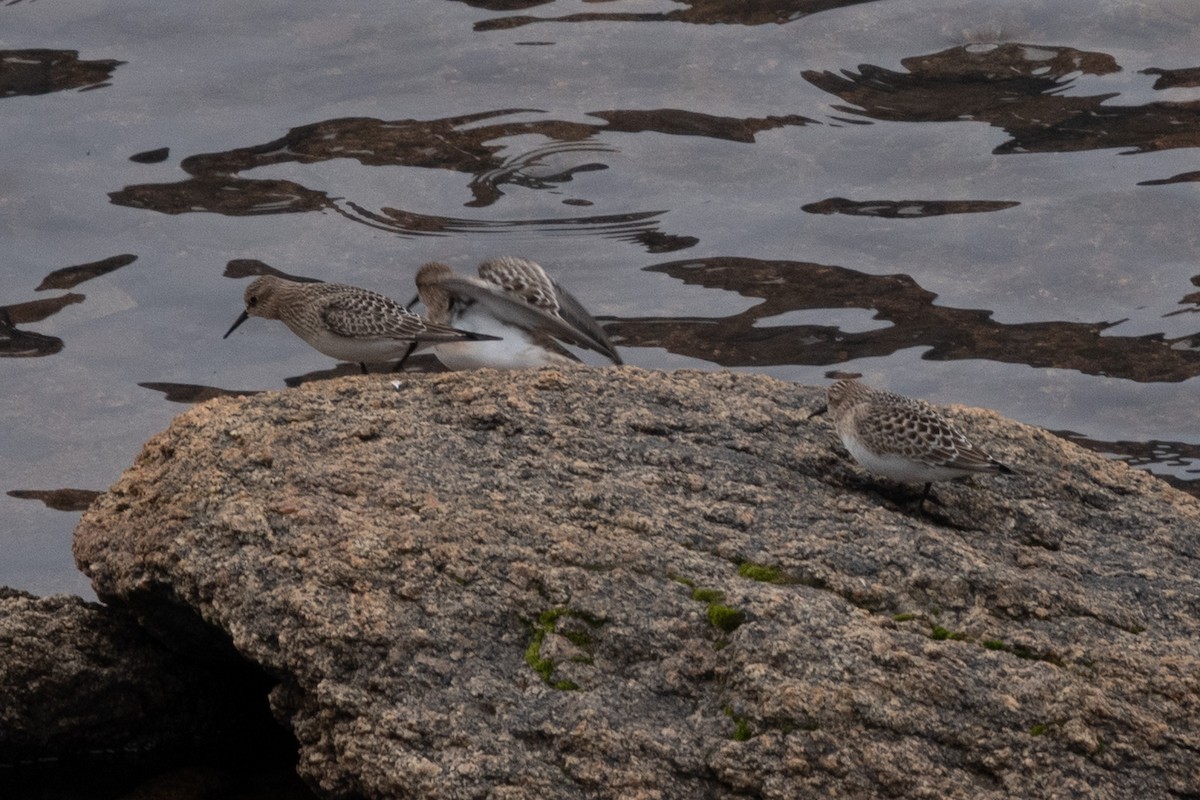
x=986 y=203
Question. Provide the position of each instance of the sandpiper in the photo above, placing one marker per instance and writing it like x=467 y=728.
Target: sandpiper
x=345 y=322
x=513 y=300
x=901 y=438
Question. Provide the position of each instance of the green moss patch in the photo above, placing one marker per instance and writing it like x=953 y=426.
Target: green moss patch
x=941 y=634
x=1022 y=651
x=548 y=623
x=724 y=618
x=708 y=595
x=741 y=728
x=760 y=572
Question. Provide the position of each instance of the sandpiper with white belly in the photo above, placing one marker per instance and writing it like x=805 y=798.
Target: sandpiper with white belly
x=514 y=301
x=901 y=438
x=345 y=322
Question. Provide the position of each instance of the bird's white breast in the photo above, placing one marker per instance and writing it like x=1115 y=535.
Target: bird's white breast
x=899 y=468
x=345 y=348
x=516 y=349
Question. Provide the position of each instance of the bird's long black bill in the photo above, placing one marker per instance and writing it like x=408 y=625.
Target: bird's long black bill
x=819 y=411
x=245 y=316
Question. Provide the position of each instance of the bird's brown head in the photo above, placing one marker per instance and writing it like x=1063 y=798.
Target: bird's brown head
x=432 y=273
x=843 y=393
x=262 y=297
x=432 y=293
x=262 y=300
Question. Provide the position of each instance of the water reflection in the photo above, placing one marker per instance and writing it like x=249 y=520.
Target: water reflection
x=905 y=209
x=253 y=268
x=1020 y=88
x=1174 y=78
x=16 y=343
x=749 y=338
x=215 y=188
x=70 y=277
x=33 y=72
x=675 y=122
x=1170 y=461
x=1183 y=177
x=494 y=154
x=59 y=499
x=623 y=227
x=156 y=156
x=192 y=393
x=702 y=12
x=223 y=194
x=1193 y=299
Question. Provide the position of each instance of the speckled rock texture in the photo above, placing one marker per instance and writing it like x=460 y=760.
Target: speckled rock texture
x=614 y=583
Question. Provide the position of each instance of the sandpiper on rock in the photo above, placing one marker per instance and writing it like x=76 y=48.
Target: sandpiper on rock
x=345 y=322
x=516 y=302
x=902 y=438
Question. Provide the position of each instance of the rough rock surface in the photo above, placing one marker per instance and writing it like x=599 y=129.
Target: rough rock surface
x=617 y=583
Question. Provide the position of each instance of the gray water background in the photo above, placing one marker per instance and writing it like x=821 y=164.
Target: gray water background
x=982 y=203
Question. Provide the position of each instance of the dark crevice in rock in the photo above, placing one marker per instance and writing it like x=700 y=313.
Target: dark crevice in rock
x=95 y=708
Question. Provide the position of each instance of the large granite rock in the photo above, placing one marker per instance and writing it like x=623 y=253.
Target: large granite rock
x=614 y=583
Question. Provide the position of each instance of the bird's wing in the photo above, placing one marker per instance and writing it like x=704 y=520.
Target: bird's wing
x=523 y=278
x=964 y=454
x=916 y=430
x=952 y=445
x=513 y=310
x=526 y=280
x=578 y=317
x=367 y=315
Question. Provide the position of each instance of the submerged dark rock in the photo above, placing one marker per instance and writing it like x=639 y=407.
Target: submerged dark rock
x=618 y=583
x=75 y=677
x=91 y=706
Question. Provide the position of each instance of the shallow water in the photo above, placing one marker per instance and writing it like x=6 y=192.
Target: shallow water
x=984 y=203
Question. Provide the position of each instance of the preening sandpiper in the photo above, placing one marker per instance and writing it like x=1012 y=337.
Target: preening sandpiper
x=515 y=301
x=345 y=322
x=902 y=438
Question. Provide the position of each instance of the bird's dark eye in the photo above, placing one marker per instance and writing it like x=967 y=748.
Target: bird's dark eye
x=252 y=301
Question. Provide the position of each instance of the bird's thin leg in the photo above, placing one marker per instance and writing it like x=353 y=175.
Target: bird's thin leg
x=924 y=497
x=362 y=365
x=404 y=358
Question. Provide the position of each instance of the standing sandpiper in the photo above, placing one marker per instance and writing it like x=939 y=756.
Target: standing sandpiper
x=901 y=438
x=345 y=322
x=513 y=300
